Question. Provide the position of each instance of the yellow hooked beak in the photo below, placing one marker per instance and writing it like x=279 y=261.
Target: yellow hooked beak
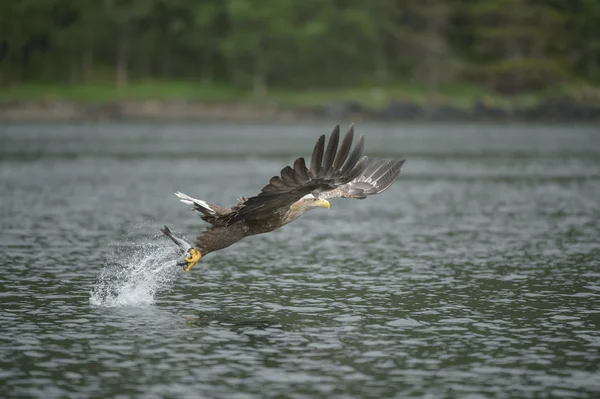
x=322 y=203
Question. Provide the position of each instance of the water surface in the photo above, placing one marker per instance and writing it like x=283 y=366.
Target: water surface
x=476 y=275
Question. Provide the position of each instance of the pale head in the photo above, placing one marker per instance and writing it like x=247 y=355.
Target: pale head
x=309 y=202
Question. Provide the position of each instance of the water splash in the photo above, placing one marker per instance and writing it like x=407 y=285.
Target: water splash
x=135 y=275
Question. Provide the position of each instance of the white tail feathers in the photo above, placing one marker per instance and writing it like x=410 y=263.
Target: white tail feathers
x=199 y=205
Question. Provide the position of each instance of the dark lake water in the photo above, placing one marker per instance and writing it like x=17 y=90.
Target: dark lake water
x=476 y=275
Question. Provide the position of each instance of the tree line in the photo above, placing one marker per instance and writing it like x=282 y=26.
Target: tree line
x=509 y=46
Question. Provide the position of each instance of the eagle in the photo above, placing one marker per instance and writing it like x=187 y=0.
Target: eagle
x=336 y=171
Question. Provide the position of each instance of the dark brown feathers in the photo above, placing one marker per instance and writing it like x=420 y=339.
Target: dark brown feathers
x=329 y=169
x=331 y=150
x=354 y=157
x=324 y=169
x=344 y=149
x=317 y=157
x=300 y=170
x=288 y=177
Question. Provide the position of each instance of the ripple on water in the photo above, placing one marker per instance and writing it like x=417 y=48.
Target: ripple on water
x=475 y=275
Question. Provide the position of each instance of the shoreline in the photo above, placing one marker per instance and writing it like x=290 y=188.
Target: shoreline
x=562 y=109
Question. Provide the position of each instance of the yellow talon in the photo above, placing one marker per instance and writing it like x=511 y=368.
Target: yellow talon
x=192 y=258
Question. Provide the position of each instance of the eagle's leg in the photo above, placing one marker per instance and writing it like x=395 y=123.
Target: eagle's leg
x=191 y=255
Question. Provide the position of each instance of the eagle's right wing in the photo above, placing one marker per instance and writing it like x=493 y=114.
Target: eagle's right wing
x=378 y=176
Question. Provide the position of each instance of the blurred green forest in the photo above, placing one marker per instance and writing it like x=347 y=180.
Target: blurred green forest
x=220 y=49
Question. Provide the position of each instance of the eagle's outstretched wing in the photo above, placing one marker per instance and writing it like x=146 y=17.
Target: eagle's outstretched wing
x=329 y=168
x=333 y=172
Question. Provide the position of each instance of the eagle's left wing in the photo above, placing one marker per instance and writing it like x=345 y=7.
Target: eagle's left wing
x=330 y=168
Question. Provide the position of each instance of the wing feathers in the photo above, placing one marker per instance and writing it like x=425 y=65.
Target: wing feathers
x=354 y=157
x=301 y=171
x=324 y=167
x=199 y=205
x=357 y=171
x=340 y=170
x=372 y=168
x=332 y=146
x=344 y=149
x=317 y=157
x=287 y=174
x=277 y=183
x=374 y=177
x=387 y=179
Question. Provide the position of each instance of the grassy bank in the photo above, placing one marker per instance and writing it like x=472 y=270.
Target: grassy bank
x=456 y=95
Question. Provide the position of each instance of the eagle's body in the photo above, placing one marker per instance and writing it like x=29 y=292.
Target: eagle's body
x=333 y=173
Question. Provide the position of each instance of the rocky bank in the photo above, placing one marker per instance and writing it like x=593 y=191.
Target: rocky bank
x=549 y=110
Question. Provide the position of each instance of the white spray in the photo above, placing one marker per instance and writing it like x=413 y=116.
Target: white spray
x=133 y=277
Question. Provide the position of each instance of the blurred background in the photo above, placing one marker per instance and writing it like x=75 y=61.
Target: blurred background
x=476 y=275
x=406 y=59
